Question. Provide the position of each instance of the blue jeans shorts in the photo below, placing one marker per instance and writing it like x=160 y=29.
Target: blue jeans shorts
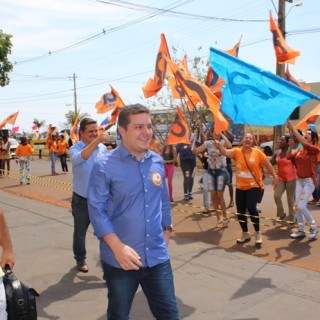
x=217 y=179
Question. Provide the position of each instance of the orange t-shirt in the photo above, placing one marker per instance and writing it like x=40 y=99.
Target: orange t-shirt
x=255 y=160
x=24 y=150
x=52 y=145
x=62 y=147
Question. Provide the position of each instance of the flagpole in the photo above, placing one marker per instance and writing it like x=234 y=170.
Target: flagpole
x=278 y=131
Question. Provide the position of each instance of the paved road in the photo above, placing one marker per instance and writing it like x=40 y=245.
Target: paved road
x=214 y=278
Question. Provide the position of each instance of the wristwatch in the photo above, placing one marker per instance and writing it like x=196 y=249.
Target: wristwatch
x=169 y=228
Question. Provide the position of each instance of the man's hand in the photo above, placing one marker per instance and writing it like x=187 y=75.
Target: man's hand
x=104 y=137
x=127 y=258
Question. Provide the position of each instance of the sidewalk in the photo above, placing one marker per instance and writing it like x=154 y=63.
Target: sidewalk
x=211 y=282
x=188 y=221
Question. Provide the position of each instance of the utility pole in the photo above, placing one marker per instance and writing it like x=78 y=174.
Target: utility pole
x=278 y=131
x=75 y=95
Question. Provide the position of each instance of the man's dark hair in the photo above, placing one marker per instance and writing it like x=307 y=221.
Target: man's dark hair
x=84 y=122
x=314 y=137
x=127 y=111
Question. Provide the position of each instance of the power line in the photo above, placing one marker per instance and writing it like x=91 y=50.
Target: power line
x=135 y=6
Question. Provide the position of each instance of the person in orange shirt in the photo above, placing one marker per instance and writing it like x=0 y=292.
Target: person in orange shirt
x=52 y=146
x=63 y=147
x=316 y=192
x=23 y=154
x=155 y=145
x=249 y=162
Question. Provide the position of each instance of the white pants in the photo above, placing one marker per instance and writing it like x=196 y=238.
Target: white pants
x=3 y=302
x=304 y=189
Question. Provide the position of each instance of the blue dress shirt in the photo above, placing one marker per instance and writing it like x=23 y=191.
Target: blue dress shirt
x=130 y=198
x=81 y=168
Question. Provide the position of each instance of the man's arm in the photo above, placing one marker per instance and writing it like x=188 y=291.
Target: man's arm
x=5 y=242
x=88 y=150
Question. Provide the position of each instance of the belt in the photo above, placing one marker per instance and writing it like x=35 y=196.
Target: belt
x=78 y=196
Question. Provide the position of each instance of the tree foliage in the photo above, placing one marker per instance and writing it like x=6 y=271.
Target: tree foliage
x=39 y=123
x=5 y=65
x=71 y=117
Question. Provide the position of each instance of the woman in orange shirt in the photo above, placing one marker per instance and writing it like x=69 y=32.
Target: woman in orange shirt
x=286 y=179
x=305 y=161
x=63 y=147
x=249 y=162
x=52 y=146
x=23 y=154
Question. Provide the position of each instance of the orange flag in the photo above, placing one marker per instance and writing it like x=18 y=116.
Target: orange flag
x=109 y=101
x=235 y=50
x=176 y=90
x=194 y=89
x=179 y=132
x=114 y=117
x=9 y=120
x=74 y=132
x=288 y=76
x=283 y=52
x=153 y=86
x=183 y=64
x=311 y=117
x=214 y=82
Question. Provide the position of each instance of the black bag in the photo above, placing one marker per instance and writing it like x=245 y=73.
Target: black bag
x=21 y=300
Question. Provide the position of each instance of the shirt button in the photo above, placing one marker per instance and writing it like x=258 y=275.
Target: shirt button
x=145 y=190
x=147 y=235
x=147 y=206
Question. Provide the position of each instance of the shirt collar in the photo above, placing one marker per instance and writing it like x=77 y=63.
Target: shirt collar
x=124 y=153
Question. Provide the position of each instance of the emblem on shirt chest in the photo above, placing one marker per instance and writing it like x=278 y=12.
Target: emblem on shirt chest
x=156 y=179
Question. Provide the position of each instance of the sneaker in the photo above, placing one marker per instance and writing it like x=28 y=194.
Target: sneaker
x=296 y=235
x=258 y=238
x=186 y=197
x=313 y=233
x=245 y=237
x=190 y=196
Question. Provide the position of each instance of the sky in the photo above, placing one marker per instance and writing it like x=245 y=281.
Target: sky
x=63 y=47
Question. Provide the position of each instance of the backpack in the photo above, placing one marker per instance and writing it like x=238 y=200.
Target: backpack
x=21 y=300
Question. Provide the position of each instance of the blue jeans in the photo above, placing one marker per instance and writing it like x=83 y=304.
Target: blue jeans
x=218 y=179
x=156 y=283
x=81 y=220
x=205 y=188
x=53 y=158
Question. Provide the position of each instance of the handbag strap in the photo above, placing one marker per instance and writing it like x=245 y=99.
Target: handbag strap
x=254 y=178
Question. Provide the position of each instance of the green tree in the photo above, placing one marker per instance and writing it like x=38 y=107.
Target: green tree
x=5 y=65
x=71 y=117
x=39 y=123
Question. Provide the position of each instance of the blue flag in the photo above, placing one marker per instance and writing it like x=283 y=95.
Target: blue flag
x=105 y=121
x=254 y=96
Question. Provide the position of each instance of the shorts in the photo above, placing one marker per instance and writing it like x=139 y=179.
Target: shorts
x=217 y=179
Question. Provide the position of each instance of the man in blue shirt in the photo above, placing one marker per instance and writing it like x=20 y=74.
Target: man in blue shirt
x=83 y=155
x=130 y=213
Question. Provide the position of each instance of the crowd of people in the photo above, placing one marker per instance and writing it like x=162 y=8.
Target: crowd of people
x=125 y=193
